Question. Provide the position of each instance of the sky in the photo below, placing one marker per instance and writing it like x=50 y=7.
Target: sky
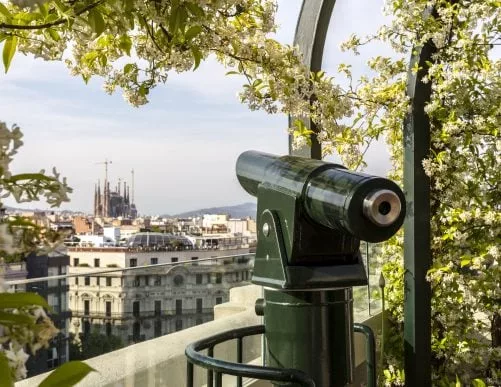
x=183 y=145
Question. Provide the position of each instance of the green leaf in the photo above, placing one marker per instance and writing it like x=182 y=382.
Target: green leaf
x=4 y=11
x=68 y=374
x=478 y=383
x=9 y=49
x=129 y=5
x=53 y=34
x=125 y=43
x=7 y=318
x=195 y=9
x=6 y=379
x=174 y=20
x=192 y=32
x=197 y=55
x=96 y=21
x=19 y=300
x=128 y=68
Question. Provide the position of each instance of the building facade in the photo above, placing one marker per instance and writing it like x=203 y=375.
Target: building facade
x=150 y=301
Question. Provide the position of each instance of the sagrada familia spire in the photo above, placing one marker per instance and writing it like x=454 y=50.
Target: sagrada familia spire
x=114 y=203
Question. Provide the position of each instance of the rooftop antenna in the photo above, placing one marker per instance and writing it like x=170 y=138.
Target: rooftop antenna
x=105 y=162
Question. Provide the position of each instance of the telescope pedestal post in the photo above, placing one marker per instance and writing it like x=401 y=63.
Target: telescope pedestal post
x=311 y=331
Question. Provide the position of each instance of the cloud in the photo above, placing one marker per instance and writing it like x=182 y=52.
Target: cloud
x=183 y=145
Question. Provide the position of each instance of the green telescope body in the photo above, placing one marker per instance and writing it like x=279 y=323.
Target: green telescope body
x=311 y=216
x=367 y=207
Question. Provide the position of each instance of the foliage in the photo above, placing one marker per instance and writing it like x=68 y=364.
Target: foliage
x=93 y=344
x=24 y=325
x=464 y=172
x=68 y=374
x=134 y=44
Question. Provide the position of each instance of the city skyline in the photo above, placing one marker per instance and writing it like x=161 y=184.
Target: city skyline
x=183 y=145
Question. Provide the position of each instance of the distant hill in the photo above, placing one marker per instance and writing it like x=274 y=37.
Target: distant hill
x=238 y=211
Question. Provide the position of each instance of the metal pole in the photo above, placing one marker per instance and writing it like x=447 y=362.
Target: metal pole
x=311 y=331
x=417 y=254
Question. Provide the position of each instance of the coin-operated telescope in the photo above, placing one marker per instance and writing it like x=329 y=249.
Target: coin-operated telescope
x=311 y=216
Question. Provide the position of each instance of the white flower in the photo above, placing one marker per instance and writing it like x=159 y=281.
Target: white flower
x=17 y=361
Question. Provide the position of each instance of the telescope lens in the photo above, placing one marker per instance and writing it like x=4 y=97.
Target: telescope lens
x=382 y=207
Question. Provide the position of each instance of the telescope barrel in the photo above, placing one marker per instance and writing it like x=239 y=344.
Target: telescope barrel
x=368 y=207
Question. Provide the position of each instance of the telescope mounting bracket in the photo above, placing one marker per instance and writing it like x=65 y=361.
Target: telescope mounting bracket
x=295 y=253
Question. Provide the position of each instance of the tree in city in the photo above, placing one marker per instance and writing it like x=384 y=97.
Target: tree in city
x=133 y=45
x=92 y=345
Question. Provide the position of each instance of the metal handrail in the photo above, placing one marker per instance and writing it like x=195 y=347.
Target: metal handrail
x=121 y=269
x=216 y=368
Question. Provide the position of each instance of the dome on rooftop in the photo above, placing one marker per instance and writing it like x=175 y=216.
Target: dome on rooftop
x=157 y=239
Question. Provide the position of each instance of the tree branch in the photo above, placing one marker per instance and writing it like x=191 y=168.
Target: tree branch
x=52 y=24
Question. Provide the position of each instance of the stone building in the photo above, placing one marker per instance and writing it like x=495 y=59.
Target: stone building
x=149 y=301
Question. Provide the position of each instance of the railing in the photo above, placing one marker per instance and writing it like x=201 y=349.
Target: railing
x=98 y=271
x=216 y=368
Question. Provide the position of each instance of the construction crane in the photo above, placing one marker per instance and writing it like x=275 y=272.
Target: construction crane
x=106 y=162
x=132 y=173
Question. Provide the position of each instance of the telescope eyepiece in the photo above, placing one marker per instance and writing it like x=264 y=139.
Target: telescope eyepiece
x=382 y=207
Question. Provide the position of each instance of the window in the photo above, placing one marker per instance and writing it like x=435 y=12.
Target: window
x=158 y=307
x=179 y=325
x=209 y=279
x=86 y=307
x=108 y=281
x=133 y=262
x=76 y=280
x=76 y=261
x=108 y=308
x=199 y=279
x=98 y=282
x=135 y=309
x=157 y=281
x=219 y=300
x=158 y=328
x=146 y=280
x=179 y=307
x=108 y=329
x=86 y=328
x=174 y=259
x=199 y=305
x=136 y=331
x=154 y=261
x=52 y=359
x=87 y=281
x=136 y=282
x=97 y=262
x=219 y=278
x=237 y=275
x=178 y=280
